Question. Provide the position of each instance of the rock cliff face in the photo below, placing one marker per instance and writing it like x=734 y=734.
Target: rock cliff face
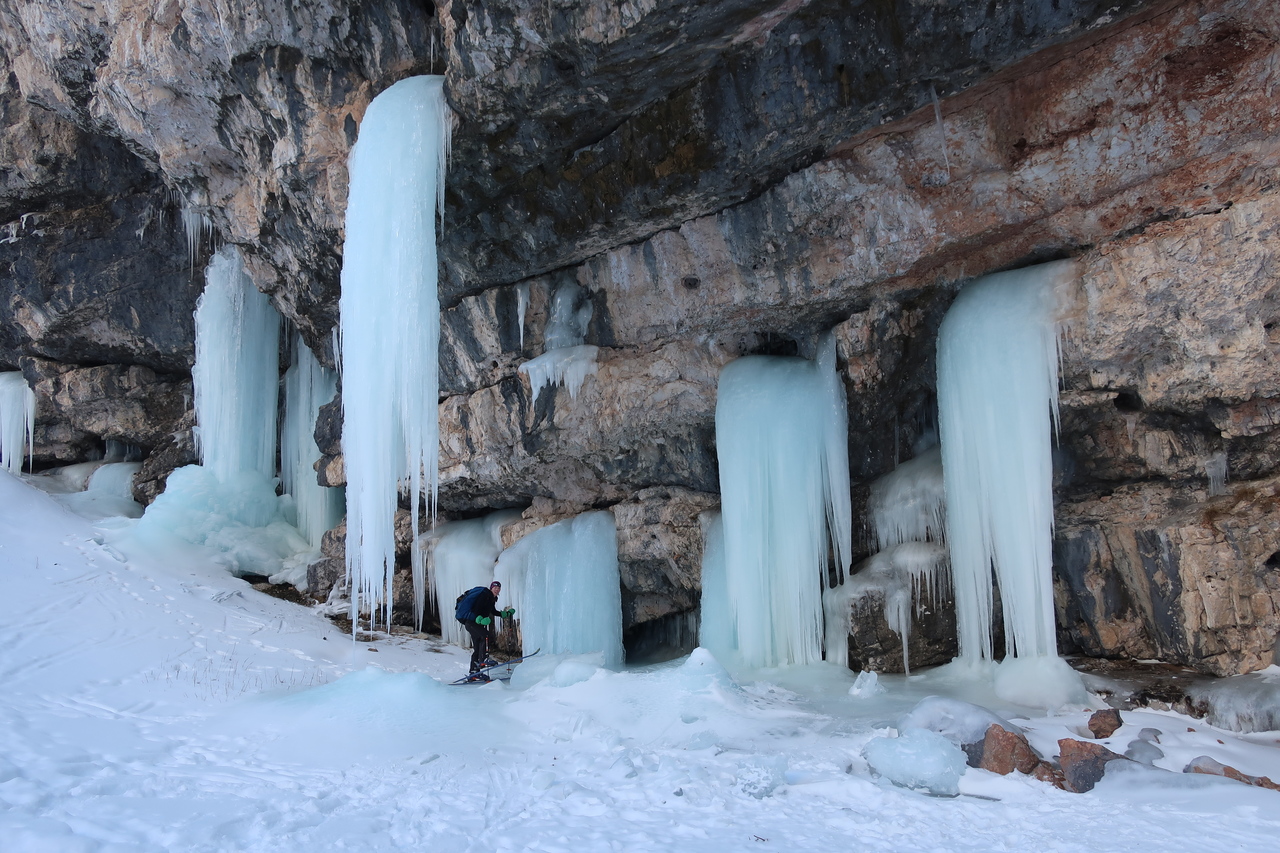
x=720 y=179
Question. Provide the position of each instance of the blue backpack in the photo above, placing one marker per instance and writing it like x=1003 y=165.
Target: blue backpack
x=462 y=609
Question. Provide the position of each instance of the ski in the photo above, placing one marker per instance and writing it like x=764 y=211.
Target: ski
x=507 y=665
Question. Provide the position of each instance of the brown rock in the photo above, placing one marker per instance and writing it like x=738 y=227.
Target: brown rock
x=1048 y=773
x=1004 y=752
x=1104 y=723
x=1209 y=766
x=1083 y=763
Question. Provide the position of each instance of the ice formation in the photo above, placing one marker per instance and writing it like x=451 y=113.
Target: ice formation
x=909 y=504
x=782 y=437
x=236 y=374
x=563 y=582
x=998 y=403
x=1215 y=468
x=522 y=307
x=307 y=386
x=391 y=326
x=459 y=555
x=565 y=360
x=903 y=575
x=17 y=419
x=956 y=720
x=918 y=759
x=716 y=630
x=569 y=367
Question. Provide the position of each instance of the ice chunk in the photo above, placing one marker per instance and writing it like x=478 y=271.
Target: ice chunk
x=866 y=685
x=782 y=438
x=563 y=582
x=918 y=759
x=1242 y=703
x=958 y=721
x=17 y=419
x=390 y=314
x=997 y=405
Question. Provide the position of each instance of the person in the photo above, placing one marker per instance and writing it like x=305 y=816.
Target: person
x=479 y=625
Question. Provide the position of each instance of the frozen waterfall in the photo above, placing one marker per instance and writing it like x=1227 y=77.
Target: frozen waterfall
x=563 y=582
x=307 y=386
x=566 y=360
x=17 y=419
x=391 y=326
x=998 y=402
x=237 y=373
x=782 y=436
x=460 y=555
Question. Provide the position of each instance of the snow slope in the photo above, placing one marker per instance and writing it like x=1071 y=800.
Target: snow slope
x=160 y=704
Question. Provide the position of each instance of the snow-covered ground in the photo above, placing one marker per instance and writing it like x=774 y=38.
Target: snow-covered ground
x=153 y=704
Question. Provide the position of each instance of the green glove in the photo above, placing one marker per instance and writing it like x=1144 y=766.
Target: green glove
x=508 y=613
x=483 y=621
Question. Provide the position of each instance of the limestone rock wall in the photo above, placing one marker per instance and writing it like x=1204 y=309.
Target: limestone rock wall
x=720 y=179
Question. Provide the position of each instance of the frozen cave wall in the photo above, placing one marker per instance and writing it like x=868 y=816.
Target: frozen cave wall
x=720 y=179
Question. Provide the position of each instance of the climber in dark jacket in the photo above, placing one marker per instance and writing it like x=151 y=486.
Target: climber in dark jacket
x=480 y=626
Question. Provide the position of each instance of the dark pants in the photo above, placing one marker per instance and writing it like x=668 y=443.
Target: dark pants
x=479 y=644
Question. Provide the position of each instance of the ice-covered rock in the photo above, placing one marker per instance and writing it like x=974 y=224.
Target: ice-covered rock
x=919 y=759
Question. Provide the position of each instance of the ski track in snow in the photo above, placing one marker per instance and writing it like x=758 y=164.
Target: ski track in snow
x=165 y=706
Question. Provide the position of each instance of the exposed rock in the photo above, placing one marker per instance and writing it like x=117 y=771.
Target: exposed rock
x=1004 y=752
x=1103 y=724
x=660 y=552
x=874 y=646
x=1154 y=571
x=177 y=450
x=249 y=110
x=1206 y=765
x=134 y=404
x=1083 y=764
x=603 y=123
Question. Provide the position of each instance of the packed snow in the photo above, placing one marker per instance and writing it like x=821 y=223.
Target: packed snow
x=155 y=703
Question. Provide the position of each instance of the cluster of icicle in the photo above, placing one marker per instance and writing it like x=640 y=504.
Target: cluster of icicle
x=907 y=511
x=458 y=555
x=781 y=435
x=390 y=318
x=308 y=385
x=563 y=582
x=236 y=373
x=17 y=419
x=566 y=360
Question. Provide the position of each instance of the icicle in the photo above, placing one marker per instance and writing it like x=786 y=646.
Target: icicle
x=782 y=436
x=522 y=307
x=17 y=419
x=563 y=582
x=236 y=374
x=307 y=387
x=391 y=327
x=1215 y=468
x=460 y=555
x=565 y=360
x=569 y=367
x=997 y=400
x=717 y=631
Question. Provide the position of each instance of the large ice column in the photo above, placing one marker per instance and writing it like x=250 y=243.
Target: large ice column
x=307 y=386
x=566 y=360
x=717 y=631
x=17 y=419
x=563 y=582
x=782 y=436
x=460 y=555
x=237 y=373
x=998 y=403
x=391 y=325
